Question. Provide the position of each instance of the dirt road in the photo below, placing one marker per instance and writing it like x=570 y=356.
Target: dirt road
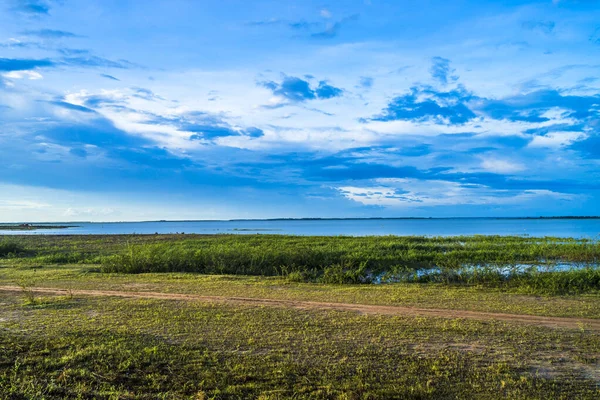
x=552 y=322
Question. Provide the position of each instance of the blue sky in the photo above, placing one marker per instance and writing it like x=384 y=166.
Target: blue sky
x=129 y=110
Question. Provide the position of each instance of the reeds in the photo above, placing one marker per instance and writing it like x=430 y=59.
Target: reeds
x=524 y=263
x=493 y=261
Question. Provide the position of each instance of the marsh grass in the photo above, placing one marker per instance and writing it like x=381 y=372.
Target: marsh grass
x=533 y=279
x=494 y=261
x=10 y=248
x=462 y=261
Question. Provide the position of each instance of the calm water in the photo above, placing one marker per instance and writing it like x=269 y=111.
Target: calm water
x=578 y=228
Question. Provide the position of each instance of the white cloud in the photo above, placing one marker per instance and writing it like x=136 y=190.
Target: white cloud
x=555 y=139
x=501 y=166
x=325 y=13
x=7 y=205
x=411 y=193
x=31 y=75
x=90 y=212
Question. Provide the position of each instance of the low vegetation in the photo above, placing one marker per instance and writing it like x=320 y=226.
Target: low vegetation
x=77 y=346
x=107 y=348
x=422 y=295
x=10 y=248
x=535 y=265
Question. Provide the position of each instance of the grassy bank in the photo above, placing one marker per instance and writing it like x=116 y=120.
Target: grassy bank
x=532 y=265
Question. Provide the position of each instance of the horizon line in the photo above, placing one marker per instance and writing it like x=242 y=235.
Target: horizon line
x=303 y=219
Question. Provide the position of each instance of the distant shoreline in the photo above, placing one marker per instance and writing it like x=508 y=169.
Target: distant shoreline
x=66 y=224
x=398 y=218
x=31 y=227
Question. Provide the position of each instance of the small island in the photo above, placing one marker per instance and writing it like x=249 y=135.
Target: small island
x=32 y=227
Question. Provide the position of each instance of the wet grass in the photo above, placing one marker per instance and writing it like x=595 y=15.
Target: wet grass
x=108 y=348
x=545 y=279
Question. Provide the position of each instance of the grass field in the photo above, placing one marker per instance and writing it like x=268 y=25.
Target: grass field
x=92 y=346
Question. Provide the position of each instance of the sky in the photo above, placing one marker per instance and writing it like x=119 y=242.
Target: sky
x=114 y=110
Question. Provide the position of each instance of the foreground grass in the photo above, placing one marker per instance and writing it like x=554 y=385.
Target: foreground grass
x=111 y=348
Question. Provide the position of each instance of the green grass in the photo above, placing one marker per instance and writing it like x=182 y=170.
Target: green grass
x=149 y=349
x=265 y=254
x=109 y=348
x=425 y=295
x=493 y=261
x=10 y=248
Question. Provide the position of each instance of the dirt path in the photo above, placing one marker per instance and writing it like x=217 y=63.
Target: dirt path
x=552 y=322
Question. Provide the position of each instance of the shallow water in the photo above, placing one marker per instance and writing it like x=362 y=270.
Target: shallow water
x=504 y=270
x=575 y=228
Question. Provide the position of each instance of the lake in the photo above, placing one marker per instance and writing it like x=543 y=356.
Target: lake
x=576 y=228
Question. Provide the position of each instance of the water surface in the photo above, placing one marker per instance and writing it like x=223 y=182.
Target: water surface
x=575 y=228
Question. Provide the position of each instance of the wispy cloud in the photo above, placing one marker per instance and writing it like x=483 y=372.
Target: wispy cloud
x=146 y=94
x=427 y=104
x=325 y=13
x=31 y=75
x=95 y=61
x=313 y=29
x=50 y=34
x=595 y=36
x=500 y=166
x=333 y=29
x=13 y=43
x=366 y=82
x=109 y=77
x=299 y=90
x=441 y=71
x=33 y=7
x=22 y=64
x=402 y=193
x=303 y=25
x=267 y=22
x=545 y=27
x=203 y=125
x=72 y=107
